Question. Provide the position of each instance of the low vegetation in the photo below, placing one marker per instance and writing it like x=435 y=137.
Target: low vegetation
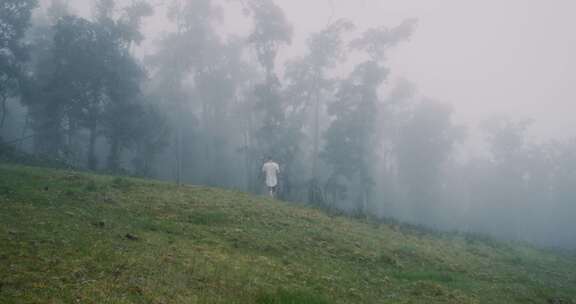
x=67 y=237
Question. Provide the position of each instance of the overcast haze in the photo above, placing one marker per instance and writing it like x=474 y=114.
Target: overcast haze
x=425 y=149
x=462 y=120
x=487 y=58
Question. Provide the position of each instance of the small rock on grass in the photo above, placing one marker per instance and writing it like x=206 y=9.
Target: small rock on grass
x=132 y=237
x=99 y=224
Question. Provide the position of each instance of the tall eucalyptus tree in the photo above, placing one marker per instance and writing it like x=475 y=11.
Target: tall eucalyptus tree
x=351 y=141
x=14 y=21
x=309 y=85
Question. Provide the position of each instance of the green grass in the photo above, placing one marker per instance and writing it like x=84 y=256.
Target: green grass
x=68 y=237
x=291 y=297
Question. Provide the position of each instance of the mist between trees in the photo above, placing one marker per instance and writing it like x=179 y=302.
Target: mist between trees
x=206 y=107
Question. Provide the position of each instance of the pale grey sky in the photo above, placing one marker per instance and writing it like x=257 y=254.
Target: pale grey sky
x=488 y=57
x=515 y=57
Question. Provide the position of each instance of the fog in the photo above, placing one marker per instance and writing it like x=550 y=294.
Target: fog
x=451 y=114
x=487 y=58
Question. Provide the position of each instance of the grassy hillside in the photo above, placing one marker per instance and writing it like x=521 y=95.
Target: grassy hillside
x=75 y=238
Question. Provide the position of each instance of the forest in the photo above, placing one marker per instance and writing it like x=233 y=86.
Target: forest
x=205 y=103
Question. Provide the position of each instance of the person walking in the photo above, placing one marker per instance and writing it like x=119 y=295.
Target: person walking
x=271 y=169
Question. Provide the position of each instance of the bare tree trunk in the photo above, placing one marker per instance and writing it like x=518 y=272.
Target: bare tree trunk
x=209 y=170
x=91 y=149
x=3 y=100
x=24 y=129
x=179 y=156
x=179 y=145
x=316 y=136
x=114 y=155
x=147 y=160
x=315 y=195
x=252 y=169
x=366 y=200
x=247 y=150
x=69 y=152
x=246 y=144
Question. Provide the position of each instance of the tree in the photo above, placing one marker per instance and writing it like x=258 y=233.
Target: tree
x=87 y=80
x=351 y=139
x=77 y=86
x=562 y=183
x=42 y=118
x=500 y=191
x=271 y=31
x=425 y=144
x=187 y=69
x=57 y=9
x=14 y=21
x=309 y=85
x=274 y=135
x=506 y=138
x=123 y=76
x=217 y=86
x=151 y=138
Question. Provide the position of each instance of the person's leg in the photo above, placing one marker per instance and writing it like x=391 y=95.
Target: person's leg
x=271 y=192
x=275 y=191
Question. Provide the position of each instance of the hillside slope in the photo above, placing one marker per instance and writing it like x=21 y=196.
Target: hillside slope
x=67 y=237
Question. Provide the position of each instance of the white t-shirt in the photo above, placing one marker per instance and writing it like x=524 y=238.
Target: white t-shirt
x=271 y=169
